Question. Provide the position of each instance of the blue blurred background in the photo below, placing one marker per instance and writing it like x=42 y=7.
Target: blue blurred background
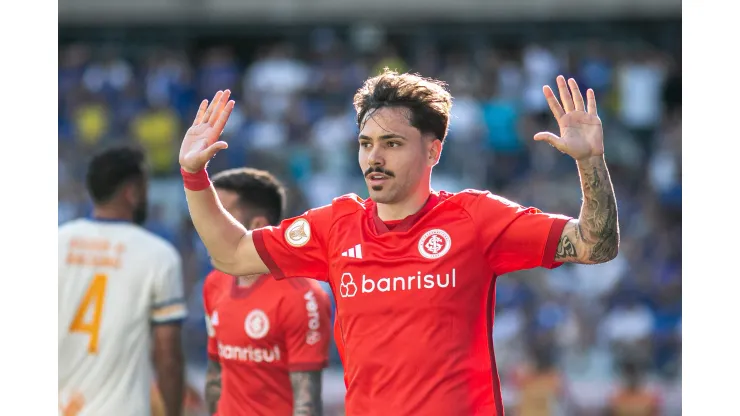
x=136 y=71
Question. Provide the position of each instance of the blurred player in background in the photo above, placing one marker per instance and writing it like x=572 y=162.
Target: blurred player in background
x=119 y=287
x=268 y=340
x=192 y=402
x=633 y=398
x=413 y=270
x=541 y=387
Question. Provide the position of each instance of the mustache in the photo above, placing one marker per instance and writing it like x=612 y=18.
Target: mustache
x=378 y=169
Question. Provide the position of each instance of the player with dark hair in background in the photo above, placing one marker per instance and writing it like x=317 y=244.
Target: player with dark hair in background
x=268 y=340
x=120 y=286
x=633 y=398
x=413 y=270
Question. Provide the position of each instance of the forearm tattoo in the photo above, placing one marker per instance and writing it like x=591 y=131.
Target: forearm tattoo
x=213 y=386
x=306 y=393
x=594 y=238
x=598 y=219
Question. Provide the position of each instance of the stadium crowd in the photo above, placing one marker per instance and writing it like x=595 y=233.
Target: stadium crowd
x=294 y=117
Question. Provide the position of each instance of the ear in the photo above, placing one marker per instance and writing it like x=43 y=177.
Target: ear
x=259 y=221
x=130 y=193
x=435 y=151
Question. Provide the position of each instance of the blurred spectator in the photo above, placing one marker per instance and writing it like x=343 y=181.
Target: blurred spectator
x=108 y=76
x=218 y=71
x=596 y=70
x=628 y=327
x=541 y=387
x=640 y=85
x=158 y=130
x=633 y=398
x=540 y=68
x=275 y=76
x=92 y=120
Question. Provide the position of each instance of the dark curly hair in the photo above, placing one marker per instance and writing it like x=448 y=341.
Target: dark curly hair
x=112 y=168
x=427 y=99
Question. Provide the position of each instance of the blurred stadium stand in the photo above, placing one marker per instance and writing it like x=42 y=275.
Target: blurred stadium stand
x=136 y=70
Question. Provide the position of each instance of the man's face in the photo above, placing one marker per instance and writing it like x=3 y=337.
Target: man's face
x=394 y=156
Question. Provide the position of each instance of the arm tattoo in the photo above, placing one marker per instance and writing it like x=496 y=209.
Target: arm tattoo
x=594 y=237
x=306 y=393
x=565 y=248
x=213 y=385
x=598 y=220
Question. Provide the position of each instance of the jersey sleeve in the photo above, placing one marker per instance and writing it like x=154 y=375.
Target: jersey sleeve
x=307 y=329
x=168 y=302
x=297 y=247
x=208 y=293
x=514 y=237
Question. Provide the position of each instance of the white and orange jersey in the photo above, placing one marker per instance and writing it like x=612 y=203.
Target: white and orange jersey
x=116 y=280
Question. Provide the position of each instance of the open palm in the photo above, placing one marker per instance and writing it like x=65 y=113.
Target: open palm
x=201 y=142
x=581 y=135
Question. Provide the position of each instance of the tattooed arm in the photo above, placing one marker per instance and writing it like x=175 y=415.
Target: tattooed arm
x=306 y=393
x=213 y=385
x=594 y=237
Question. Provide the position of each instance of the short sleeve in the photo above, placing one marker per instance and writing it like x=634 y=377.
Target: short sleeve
x=514 y=237
x=212 y=347
x=297 y=247
x=308 y=329
x=168 y=302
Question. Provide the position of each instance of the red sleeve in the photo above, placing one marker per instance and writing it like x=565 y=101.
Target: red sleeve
x=208 y=292
x=514 y=237
x=297 y=247
x=307 y=329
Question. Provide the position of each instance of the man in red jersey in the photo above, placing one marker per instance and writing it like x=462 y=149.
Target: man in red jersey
x=413 y=270
x=268 y=340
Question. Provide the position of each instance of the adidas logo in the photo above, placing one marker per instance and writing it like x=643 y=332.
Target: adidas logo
x=355 y=252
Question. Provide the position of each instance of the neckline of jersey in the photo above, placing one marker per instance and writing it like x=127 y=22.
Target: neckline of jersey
x=406 y=223
x=244 y=291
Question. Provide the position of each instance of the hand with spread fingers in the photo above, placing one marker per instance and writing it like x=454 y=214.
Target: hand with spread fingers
x=201 y=142
x=581 y=135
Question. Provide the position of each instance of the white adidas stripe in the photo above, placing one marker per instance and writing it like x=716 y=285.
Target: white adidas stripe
x=354 y=252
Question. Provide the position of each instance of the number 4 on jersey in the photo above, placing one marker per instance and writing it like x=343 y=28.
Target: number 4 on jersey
x=93 y=298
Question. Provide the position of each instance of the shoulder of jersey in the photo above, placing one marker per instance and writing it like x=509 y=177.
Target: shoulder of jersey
x=461 y=198
x=469 y=195
x=156 y=244
x=347 y=204
x=70 y=226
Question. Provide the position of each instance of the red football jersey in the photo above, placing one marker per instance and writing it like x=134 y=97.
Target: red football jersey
x=261 y=333
x=414 y=302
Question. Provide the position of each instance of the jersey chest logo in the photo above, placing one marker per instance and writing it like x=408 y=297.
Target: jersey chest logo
x=256 y=324
x=434 y=244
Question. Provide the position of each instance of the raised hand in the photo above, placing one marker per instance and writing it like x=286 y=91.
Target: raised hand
x=581 y=135
x=201 y=142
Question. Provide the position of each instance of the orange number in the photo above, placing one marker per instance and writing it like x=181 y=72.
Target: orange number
x=74 y=406
x=93 y=298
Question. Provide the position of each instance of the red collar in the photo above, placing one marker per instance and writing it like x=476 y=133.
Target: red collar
x=243 y=291
x=408 y=222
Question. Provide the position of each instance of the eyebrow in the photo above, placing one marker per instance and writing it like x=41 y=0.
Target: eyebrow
x=383 y=137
